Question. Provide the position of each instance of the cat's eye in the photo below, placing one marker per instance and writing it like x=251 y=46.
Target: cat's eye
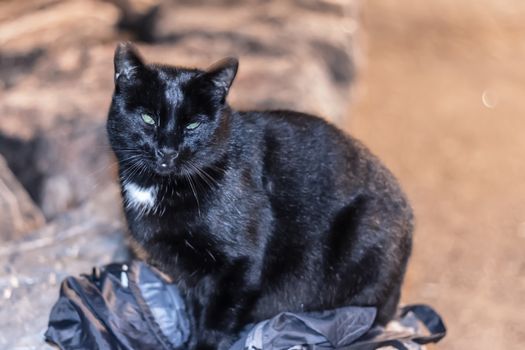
x=193 y=126
x=148 y=119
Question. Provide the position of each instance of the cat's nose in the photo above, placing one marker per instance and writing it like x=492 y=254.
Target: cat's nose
x=167 y=158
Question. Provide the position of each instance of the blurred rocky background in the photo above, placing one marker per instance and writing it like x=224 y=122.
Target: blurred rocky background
x=60 y=207
x=437 y=97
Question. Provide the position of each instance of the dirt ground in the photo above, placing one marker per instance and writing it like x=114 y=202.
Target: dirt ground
x=441 y=101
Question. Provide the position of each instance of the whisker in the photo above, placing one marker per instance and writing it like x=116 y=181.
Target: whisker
x=214 y=181
x=190 y=181
x=200 y=175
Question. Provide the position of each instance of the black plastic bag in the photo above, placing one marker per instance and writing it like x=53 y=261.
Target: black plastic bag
x=133 y=306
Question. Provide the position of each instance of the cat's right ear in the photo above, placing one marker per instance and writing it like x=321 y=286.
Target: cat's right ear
x=127 y=60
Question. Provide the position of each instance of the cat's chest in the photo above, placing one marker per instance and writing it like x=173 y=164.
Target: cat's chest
x=159 y=201
x=141 y=199
x=156 y=208
x=227 y=216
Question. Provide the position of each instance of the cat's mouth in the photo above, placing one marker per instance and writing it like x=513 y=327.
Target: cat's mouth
x=178 y=170
x=166 y=163
x=164 y=169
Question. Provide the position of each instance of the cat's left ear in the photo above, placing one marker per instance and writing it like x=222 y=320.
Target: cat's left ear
x=222 y=73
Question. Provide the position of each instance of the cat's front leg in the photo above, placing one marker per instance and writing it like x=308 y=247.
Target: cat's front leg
x=213 y=340
x=222 y=320
x=224 y=312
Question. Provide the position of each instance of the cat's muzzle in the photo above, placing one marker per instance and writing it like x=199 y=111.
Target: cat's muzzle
x=166 y=161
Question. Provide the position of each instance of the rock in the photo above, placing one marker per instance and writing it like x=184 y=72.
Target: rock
x=76 y=163
x=18 y=214
x=56 y=74
x=63 y=167
x=33 y=267
x=294 y=54
x=20 y=157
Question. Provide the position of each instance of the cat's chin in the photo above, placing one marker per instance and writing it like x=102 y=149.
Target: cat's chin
x=172 y=172
x=166 y=171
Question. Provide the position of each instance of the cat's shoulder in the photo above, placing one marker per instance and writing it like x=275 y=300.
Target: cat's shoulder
x=286 y=120
x=295 y=131
x=306 y=130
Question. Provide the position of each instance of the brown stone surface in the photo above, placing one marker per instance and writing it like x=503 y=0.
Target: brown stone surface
x=18 y=213
x=75 y=163
x=32 y=268
x=56 y=81
x=57 y=55
x=57 y=73
x=441 y=102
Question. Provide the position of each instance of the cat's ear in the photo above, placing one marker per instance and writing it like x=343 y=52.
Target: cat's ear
x=222 y=73
x=127 y=60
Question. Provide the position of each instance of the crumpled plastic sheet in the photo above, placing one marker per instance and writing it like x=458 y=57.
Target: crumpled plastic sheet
x=124 y=306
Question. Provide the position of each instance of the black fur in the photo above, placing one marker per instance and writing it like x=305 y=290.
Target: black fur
x=255 y=212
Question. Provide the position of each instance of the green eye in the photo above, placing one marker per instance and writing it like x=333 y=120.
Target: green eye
x=193 y=126
x=148 y=119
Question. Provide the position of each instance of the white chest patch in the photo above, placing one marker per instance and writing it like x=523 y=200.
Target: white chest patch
x=140 y=198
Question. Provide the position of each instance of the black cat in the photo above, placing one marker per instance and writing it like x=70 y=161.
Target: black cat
x=252 y=213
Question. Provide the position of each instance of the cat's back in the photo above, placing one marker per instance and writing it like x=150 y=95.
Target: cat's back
x=283 y=133
x=312 y=151
x=292 y=126
x=310 y=165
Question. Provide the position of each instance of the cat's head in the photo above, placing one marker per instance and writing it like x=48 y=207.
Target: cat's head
x=168 y=120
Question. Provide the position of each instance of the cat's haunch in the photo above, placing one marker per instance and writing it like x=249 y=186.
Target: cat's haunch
x=251 y=213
